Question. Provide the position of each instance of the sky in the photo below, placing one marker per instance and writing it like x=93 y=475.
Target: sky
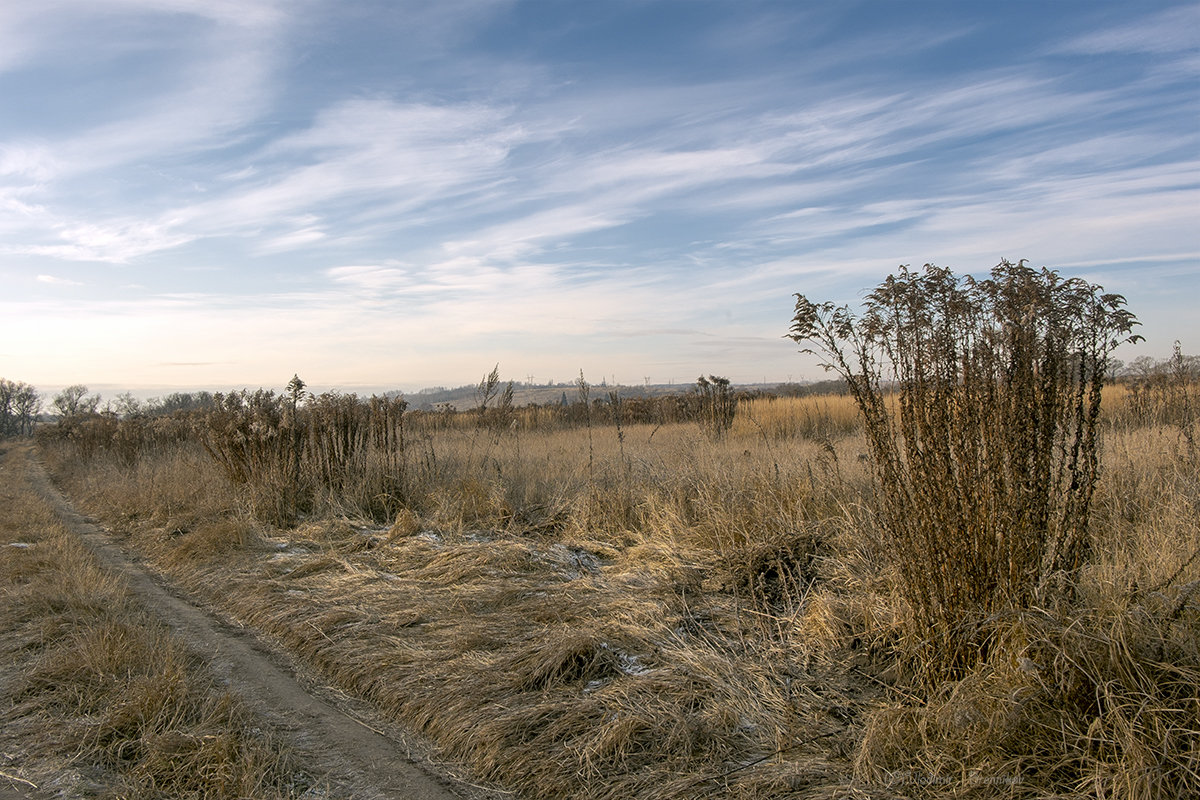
x=402 y=194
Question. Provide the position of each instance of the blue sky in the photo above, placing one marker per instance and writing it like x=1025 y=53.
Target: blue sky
x=217 y=193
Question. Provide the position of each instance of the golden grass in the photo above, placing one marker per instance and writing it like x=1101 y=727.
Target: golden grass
x=664 y=615
x=822 y=416
x=100 y=698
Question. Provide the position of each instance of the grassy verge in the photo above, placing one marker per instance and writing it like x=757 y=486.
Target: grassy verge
x=99 y=699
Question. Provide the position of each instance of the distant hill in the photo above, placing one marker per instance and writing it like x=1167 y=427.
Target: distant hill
x=466 y=397
x=463 y=398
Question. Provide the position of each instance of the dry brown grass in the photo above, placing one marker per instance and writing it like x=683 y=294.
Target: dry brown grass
x=100 y=700
x=621 y=636
x=665 y=615
x=784 y=419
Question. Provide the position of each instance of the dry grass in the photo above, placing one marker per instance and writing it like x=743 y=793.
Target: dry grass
x=99 y=698
x=784 y=419
x=624 y=636
x=663 y=614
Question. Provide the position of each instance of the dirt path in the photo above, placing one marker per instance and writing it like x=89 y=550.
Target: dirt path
x=365 y=755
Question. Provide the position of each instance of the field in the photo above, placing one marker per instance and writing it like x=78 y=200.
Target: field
x=597 y=604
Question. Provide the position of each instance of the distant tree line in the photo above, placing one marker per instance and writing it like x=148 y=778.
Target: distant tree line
x=127 y=405
x=1163 y=392
x=21 y=405
x=1148 y=368
x=74 y=401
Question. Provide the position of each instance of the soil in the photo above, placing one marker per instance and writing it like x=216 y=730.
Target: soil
x=360 y=754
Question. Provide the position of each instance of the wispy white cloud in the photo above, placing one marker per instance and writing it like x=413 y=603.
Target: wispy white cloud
x=33 y=162
x=218 y=61
x=114 y=243
x=301 y=237
x=225 y=89
x=1174 y=30
x=369 y=157
x=506 y=200
x=57 y=281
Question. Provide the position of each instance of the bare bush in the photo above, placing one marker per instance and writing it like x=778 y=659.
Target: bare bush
x=980 y=400
x=716 y=405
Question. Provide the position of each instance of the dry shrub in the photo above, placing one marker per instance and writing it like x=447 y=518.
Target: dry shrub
x=716 y=405
x=987 y=459
x=294 y=453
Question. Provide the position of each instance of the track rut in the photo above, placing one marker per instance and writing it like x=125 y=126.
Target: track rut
x=363 y=756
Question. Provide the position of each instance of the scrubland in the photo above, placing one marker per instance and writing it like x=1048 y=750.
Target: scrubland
x=587 y=605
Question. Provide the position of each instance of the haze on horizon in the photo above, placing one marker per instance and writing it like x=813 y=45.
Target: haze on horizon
x=202 y=194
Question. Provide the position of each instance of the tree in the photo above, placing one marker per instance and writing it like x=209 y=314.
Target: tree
x=74 y=401
x=294 y=393
x=27 y=404
x=126 y=405
x=1142 y=367
x=7 y=413
x=182 y=401
x=19 y=407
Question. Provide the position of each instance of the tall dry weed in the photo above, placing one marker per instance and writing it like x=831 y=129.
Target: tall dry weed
x=987 y=460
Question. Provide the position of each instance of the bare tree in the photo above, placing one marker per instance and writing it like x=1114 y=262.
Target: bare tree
x=27 y=404
x=74 y=401
x=126 y=405
x=181 y=401
x=7 y=417
x=19 y=407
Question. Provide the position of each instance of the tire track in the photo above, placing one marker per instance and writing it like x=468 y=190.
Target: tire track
x=359 y=756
